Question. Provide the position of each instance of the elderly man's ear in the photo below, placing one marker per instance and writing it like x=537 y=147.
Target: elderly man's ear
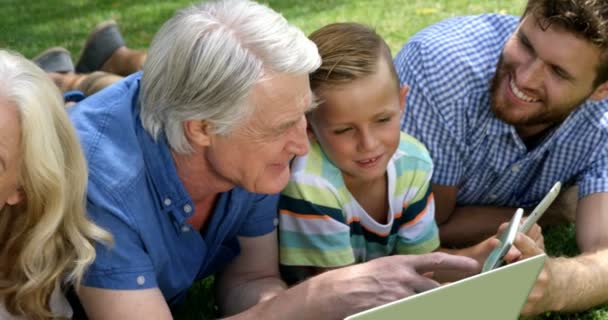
x=198 y=132
x=309 y=131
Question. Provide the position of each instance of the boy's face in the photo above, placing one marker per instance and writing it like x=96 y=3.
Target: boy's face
x=357 y=124
x=542 y=76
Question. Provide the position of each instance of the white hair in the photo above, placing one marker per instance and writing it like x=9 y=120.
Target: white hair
x=204 y=62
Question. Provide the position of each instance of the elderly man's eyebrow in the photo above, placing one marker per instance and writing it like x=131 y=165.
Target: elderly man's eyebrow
x=286 y=126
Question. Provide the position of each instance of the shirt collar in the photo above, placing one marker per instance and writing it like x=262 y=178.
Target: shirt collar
x=163 y=173
x=498 y=127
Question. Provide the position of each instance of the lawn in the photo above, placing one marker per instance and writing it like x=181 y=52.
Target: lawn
x=31 y=26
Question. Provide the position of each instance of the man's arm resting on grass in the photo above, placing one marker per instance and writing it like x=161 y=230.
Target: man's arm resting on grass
x=579 y=283
x=592 y=222
x=252 y=277
x=339 y=293
x=566 y=284
x=104 y=304
x=465 y=226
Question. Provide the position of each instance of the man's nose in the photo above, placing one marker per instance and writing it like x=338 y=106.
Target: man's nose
x=299 y=144
x=531 y=75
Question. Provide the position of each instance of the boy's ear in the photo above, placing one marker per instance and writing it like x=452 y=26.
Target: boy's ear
x=310 y=133
x=402 y=94
x=198 y=132
x=600 y=93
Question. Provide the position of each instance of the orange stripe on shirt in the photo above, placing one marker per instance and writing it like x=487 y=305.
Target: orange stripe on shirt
x=353 y=219
x=374 y=232
x=421 y=214
x=303 y=215
x=357 y=219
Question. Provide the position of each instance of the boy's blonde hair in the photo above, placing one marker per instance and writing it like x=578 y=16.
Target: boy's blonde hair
x=46 y=239
x=349 y=51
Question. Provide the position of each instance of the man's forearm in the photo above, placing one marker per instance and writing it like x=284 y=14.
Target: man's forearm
x=470 y=225
x=579 y=283
x=249 y=294
x=303 y=301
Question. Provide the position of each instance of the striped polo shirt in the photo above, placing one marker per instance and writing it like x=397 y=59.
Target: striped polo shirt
x=321 y=224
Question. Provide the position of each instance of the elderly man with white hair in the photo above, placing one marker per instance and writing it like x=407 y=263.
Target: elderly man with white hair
x=185 y=161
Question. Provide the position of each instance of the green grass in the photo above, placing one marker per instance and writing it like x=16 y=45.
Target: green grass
x=30 y=26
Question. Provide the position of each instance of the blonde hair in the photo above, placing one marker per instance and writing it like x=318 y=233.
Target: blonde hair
x=46 y=239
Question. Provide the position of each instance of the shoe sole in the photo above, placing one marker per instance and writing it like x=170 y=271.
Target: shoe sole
x=100 y=45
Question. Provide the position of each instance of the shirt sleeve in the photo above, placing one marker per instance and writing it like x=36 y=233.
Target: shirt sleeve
x=423 y=117
x=261 y=216
x=312 y=227
x=595 y=178
x=125 y=264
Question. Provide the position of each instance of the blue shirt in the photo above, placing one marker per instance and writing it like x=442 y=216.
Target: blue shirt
x=134 y=192
x=449 y=67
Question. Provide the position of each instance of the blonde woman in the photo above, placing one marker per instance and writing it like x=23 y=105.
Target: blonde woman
x=45 y=238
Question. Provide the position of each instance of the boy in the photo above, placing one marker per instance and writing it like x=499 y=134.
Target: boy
x=363 y=190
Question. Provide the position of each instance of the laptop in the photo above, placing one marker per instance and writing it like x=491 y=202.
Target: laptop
x=497 y=294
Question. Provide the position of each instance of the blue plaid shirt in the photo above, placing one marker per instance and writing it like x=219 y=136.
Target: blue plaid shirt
x=449 y=67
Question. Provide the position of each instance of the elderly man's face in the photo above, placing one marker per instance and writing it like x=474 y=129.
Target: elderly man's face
x=10 y=157
x=256 y=155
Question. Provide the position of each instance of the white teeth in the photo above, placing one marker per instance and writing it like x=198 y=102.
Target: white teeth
x=519 y=94
x=368 y=161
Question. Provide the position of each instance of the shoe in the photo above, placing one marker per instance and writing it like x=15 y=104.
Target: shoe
x=55 y=59
x=100 y=45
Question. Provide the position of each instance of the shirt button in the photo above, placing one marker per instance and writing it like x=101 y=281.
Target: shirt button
x=515 y=168
x=275 y=222
x=185 y=228
x=141 y=280
x=167 y=201
x=492 y=196
x=187 y=208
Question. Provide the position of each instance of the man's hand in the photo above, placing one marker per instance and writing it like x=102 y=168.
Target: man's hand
x=541 y=297
x=339 y=293
x=536 y=234
x=387 y=279
x=481 y=251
